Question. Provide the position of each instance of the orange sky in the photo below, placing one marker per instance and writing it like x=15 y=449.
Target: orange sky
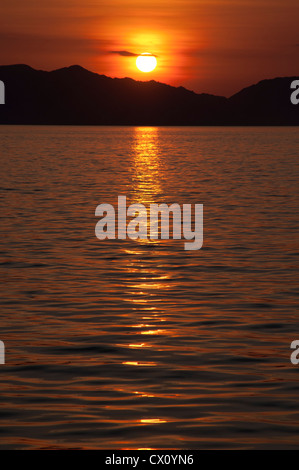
x=214 y=46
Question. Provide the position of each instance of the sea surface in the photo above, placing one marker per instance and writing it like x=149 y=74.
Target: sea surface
x=140 y=344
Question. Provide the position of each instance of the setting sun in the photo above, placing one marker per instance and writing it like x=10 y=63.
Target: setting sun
x=146 y=62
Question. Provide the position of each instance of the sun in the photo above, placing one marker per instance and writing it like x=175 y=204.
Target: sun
x=146 y=62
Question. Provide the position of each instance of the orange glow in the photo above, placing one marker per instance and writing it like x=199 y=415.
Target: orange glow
x=216 y=47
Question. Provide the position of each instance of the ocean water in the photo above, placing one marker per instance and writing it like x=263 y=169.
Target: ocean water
x=134 y=344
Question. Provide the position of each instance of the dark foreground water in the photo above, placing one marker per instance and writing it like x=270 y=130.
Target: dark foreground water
x=141 y=344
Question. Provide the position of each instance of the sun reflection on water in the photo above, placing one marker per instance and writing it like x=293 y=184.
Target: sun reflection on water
x=147 y=169
x=146 y=281
x=153 y=421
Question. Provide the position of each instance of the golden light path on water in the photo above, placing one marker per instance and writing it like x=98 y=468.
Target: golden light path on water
x=147 y=177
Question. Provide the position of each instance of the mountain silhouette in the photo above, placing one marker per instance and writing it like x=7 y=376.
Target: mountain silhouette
x=76 y=96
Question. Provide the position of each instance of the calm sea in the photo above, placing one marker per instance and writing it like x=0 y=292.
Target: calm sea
x=122 y=344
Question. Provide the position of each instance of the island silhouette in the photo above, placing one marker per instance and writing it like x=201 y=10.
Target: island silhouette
x=76 y=96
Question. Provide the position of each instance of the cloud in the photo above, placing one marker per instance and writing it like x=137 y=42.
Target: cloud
x=125 y=53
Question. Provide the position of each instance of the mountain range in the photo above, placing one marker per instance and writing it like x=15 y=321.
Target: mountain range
x=76 y=96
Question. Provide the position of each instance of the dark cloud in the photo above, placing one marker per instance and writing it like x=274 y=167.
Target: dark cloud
x=125 y=53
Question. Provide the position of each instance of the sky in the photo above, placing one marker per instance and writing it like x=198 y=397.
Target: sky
x=210 y=46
